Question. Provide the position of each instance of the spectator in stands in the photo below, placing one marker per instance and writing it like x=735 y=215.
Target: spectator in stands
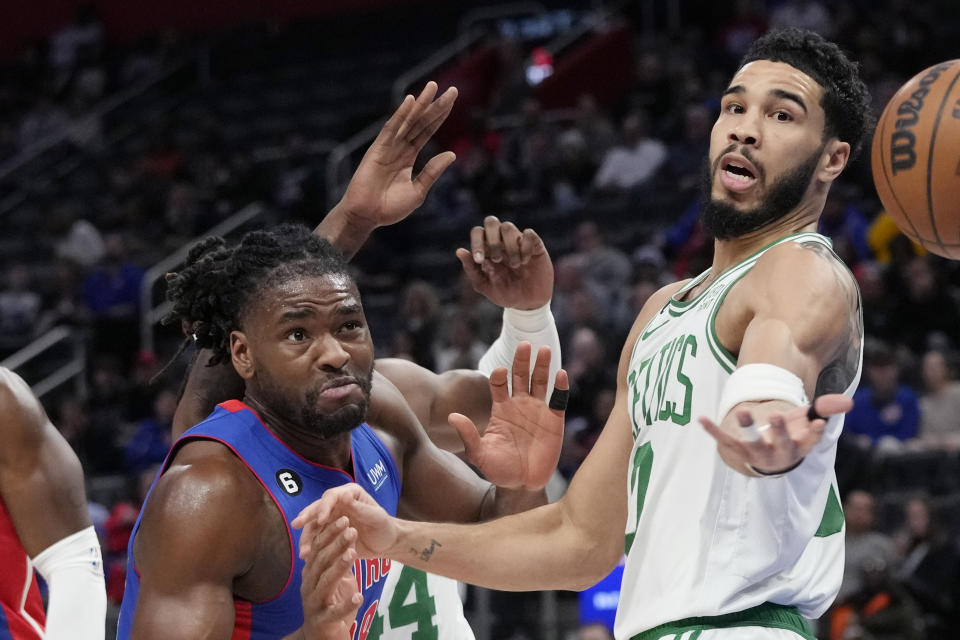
x=877 y=304
x=885 y=412
x=19 y=309
x=464 y=348
x=150 y=442
x=922 y=312
x=599 y=134
x=581 y=432
x=588 y=372
x=684 y=165
x=863 y=543
x=803 y=14
x=571 y=172
x=112 y=293
x=747 y=23
x=605 y=266
x=635 y=161
x=880 y=610
x=572 y=294
x=419 y=317
x=930 y=569
x=940 y=405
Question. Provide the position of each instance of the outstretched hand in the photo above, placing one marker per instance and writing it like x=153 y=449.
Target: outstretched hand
x=511 y=268
x=383 y=190
x=779 y=445
x=521 y=443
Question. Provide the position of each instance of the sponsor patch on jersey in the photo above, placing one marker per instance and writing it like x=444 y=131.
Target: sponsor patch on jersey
x=377 y=475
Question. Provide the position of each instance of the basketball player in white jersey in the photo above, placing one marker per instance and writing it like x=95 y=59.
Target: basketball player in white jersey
x=511 y=268
x=714 y=472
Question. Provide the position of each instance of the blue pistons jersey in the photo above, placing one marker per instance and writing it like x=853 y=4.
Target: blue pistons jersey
x=293 y=483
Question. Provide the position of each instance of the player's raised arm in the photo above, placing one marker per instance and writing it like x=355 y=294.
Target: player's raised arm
x=383 y=189
x=569 y=544
x=803 y=342
x=381 y=192
x=512 y=269
x=41 y=485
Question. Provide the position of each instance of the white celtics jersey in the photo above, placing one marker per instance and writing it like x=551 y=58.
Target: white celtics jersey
x=419 y=606
x=701 y=538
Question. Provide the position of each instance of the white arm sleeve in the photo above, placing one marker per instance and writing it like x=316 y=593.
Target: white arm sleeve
x=73 y=570
x=537 y=327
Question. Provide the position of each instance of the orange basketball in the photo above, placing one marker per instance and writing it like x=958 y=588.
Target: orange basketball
x=916 y=158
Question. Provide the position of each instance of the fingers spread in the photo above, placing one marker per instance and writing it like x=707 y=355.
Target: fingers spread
x=433 y=170
x=499 y=391
x=540 y=378
x=468 y=433
x=424 y=99
x=521 y=369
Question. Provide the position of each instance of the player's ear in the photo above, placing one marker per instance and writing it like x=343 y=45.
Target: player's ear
x=836 y=153
x=240 y=354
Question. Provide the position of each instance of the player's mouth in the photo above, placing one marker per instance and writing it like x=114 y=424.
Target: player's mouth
x=737 y=173
x=339 y=388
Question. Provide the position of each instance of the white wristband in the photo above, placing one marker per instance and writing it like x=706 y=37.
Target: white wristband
x=73 y=570
x=758 y=382
x=535 y=326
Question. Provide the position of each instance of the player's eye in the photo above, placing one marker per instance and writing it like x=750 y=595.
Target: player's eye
x=352 y=325
x=782 y=116
x=297 y=335
x=734 y=107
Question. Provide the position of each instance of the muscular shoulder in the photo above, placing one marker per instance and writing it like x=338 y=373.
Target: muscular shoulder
x=24 y=423
x=806 y=270
x=207 y=502
x=805 y=276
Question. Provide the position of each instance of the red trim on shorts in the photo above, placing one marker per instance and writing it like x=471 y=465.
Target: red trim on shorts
x=242 y=620
x=233 y=406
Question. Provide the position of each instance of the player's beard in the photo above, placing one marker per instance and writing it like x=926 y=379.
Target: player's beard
x=723 y=221
x=302 y=412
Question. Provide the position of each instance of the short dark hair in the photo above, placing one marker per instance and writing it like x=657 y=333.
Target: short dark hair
x=219 y=284
x=846 y=100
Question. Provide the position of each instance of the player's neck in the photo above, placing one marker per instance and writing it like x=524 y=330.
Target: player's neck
x=727 y=253
x=333 y=451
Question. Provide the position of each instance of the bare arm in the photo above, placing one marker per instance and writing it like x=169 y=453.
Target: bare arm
x=207 y=506
x=569 y=544
x=202 y=507
x=383 y=190
x=810 y=326
x=41 y=481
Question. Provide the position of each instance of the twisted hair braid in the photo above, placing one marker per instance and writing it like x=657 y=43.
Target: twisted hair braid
x=218 y=284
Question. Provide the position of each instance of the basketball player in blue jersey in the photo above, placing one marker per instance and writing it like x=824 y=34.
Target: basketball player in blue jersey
x=44 y=525
x=510 y=267
x=731 y=529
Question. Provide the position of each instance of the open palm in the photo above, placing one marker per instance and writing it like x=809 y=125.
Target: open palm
x=383 y=190
x=521 y=443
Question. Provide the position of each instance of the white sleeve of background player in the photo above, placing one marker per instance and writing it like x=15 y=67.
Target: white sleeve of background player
x=73 y=571
x=537 y=327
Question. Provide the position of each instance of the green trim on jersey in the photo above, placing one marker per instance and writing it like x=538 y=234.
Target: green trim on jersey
x=832 y=521
x=768 y=614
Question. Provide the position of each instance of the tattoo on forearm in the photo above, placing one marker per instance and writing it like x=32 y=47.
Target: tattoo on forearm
x=839 y=374
x=425 y=553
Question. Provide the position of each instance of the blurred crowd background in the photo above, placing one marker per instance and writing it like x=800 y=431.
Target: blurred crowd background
x=126 y=132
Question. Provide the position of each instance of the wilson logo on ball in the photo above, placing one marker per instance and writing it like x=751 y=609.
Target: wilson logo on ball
x=903 y=142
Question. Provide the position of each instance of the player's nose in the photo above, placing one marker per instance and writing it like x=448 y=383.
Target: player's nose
x=329 y=352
